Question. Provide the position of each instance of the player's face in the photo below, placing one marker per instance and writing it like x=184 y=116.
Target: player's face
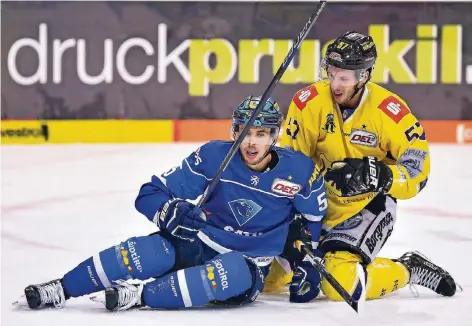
x=342 y=84
x=256 y=143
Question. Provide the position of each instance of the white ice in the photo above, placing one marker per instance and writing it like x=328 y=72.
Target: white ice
x=61 y=204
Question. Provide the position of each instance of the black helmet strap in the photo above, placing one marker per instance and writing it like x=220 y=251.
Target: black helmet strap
x=358 y=86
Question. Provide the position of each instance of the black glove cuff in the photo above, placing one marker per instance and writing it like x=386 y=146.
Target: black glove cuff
x=386 y=178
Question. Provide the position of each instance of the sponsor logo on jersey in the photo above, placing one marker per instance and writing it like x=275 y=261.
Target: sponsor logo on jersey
x=365 y=138
x=285 y=187
x=304 y=95
x=413 y=161
x=254 y=180
x=229 y=228
x=392 y=107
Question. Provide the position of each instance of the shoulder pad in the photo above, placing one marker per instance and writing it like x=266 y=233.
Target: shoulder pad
x=394 y=108
x=303 y=96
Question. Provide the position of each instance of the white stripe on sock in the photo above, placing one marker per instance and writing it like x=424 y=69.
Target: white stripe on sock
x=100 y=271
x=183 y=288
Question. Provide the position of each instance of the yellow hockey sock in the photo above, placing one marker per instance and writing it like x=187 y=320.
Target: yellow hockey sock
x=383 y=275
x=277 y=278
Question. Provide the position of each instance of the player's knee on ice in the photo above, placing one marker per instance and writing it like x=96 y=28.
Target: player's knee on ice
x=343 y=266
x=136 y=258
x=221 y=279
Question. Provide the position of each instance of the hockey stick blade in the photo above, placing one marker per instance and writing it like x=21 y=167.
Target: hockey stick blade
x=265 y=96
x=353 y=303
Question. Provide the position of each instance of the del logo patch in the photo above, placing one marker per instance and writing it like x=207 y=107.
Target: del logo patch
x=362 y=137
x=286 y=188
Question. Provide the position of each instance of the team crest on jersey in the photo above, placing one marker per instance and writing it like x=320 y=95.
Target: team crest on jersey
x=244 y=210
x=285 y=187
x=362 y=137
x=329 y=125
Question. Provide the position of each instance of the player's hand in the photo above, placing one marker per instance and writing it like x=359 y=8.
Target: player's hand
x=181 y=218
x=306 y=283
x=297 y=232
x=355 y=176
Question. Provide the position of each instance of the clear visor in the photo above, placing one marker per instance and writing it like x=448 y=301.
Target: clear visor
x=257 y=136
x=339 y=78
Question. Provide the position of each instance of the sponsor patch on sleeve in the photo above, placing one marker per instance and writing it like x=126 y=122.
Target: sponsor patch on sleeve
x=392 y=107
x=303 y=96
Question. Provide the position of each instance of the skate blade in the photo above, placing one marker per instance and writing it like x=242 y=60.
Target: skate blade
x=99 y=298
x=20 y=302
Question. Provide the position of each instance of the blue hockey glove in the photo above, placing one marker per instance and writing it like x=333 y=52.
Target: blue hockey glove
x=181 y=218
x=306 y=282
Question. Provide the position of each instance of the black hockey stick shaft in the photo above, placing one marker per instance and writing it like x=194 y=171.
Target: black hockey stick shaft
x=317 y=263
x=296 y=45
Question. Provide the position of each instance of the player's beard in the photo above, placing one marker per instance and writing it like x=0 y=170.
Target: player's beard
x=345 y=97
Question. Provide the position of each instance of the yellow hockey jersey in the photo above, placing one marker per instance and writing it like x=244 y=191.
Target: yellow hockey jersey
x=382 y=126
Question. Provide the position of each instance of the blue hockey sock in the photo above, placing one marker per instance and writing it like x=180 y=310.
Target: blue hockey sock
x=136 y=258
x=221 y=278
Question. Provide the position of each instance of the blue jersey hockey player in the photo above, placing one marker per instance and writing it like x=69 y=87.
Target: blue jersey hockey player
x=218 y=253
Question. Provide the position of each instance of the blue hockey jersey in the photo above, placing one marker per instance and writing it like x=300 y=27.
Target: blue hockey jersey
x=248 y=211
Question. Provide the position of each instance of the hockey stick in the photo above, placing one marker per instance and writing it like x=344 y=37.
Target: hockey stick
x=296 y=45
x=232 y=151
x=318 y=264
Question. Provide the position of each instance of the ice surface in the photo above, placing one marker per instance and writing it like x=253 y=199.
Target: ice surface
x=61 y=204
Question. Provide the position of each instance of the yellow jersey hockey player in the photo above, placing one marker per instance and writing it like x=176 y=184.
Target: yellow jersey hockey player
x=372 y=151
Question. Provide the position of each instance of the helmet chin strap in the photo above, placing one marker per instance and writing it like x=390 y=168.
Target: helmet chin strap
x=263 y=156
x=357 y=88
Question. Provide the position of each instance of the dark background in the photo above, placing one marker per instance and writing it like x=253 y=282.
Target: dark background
x=96 y=21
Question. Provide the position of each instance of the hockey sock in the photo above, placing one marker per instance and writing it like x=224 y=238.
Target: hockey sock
x=136 y=258
x=221 y=278
x=383 y=275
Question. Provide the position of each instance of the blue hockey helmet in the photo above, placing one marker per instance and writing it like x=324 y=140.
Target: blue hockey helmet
x=269 y=117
